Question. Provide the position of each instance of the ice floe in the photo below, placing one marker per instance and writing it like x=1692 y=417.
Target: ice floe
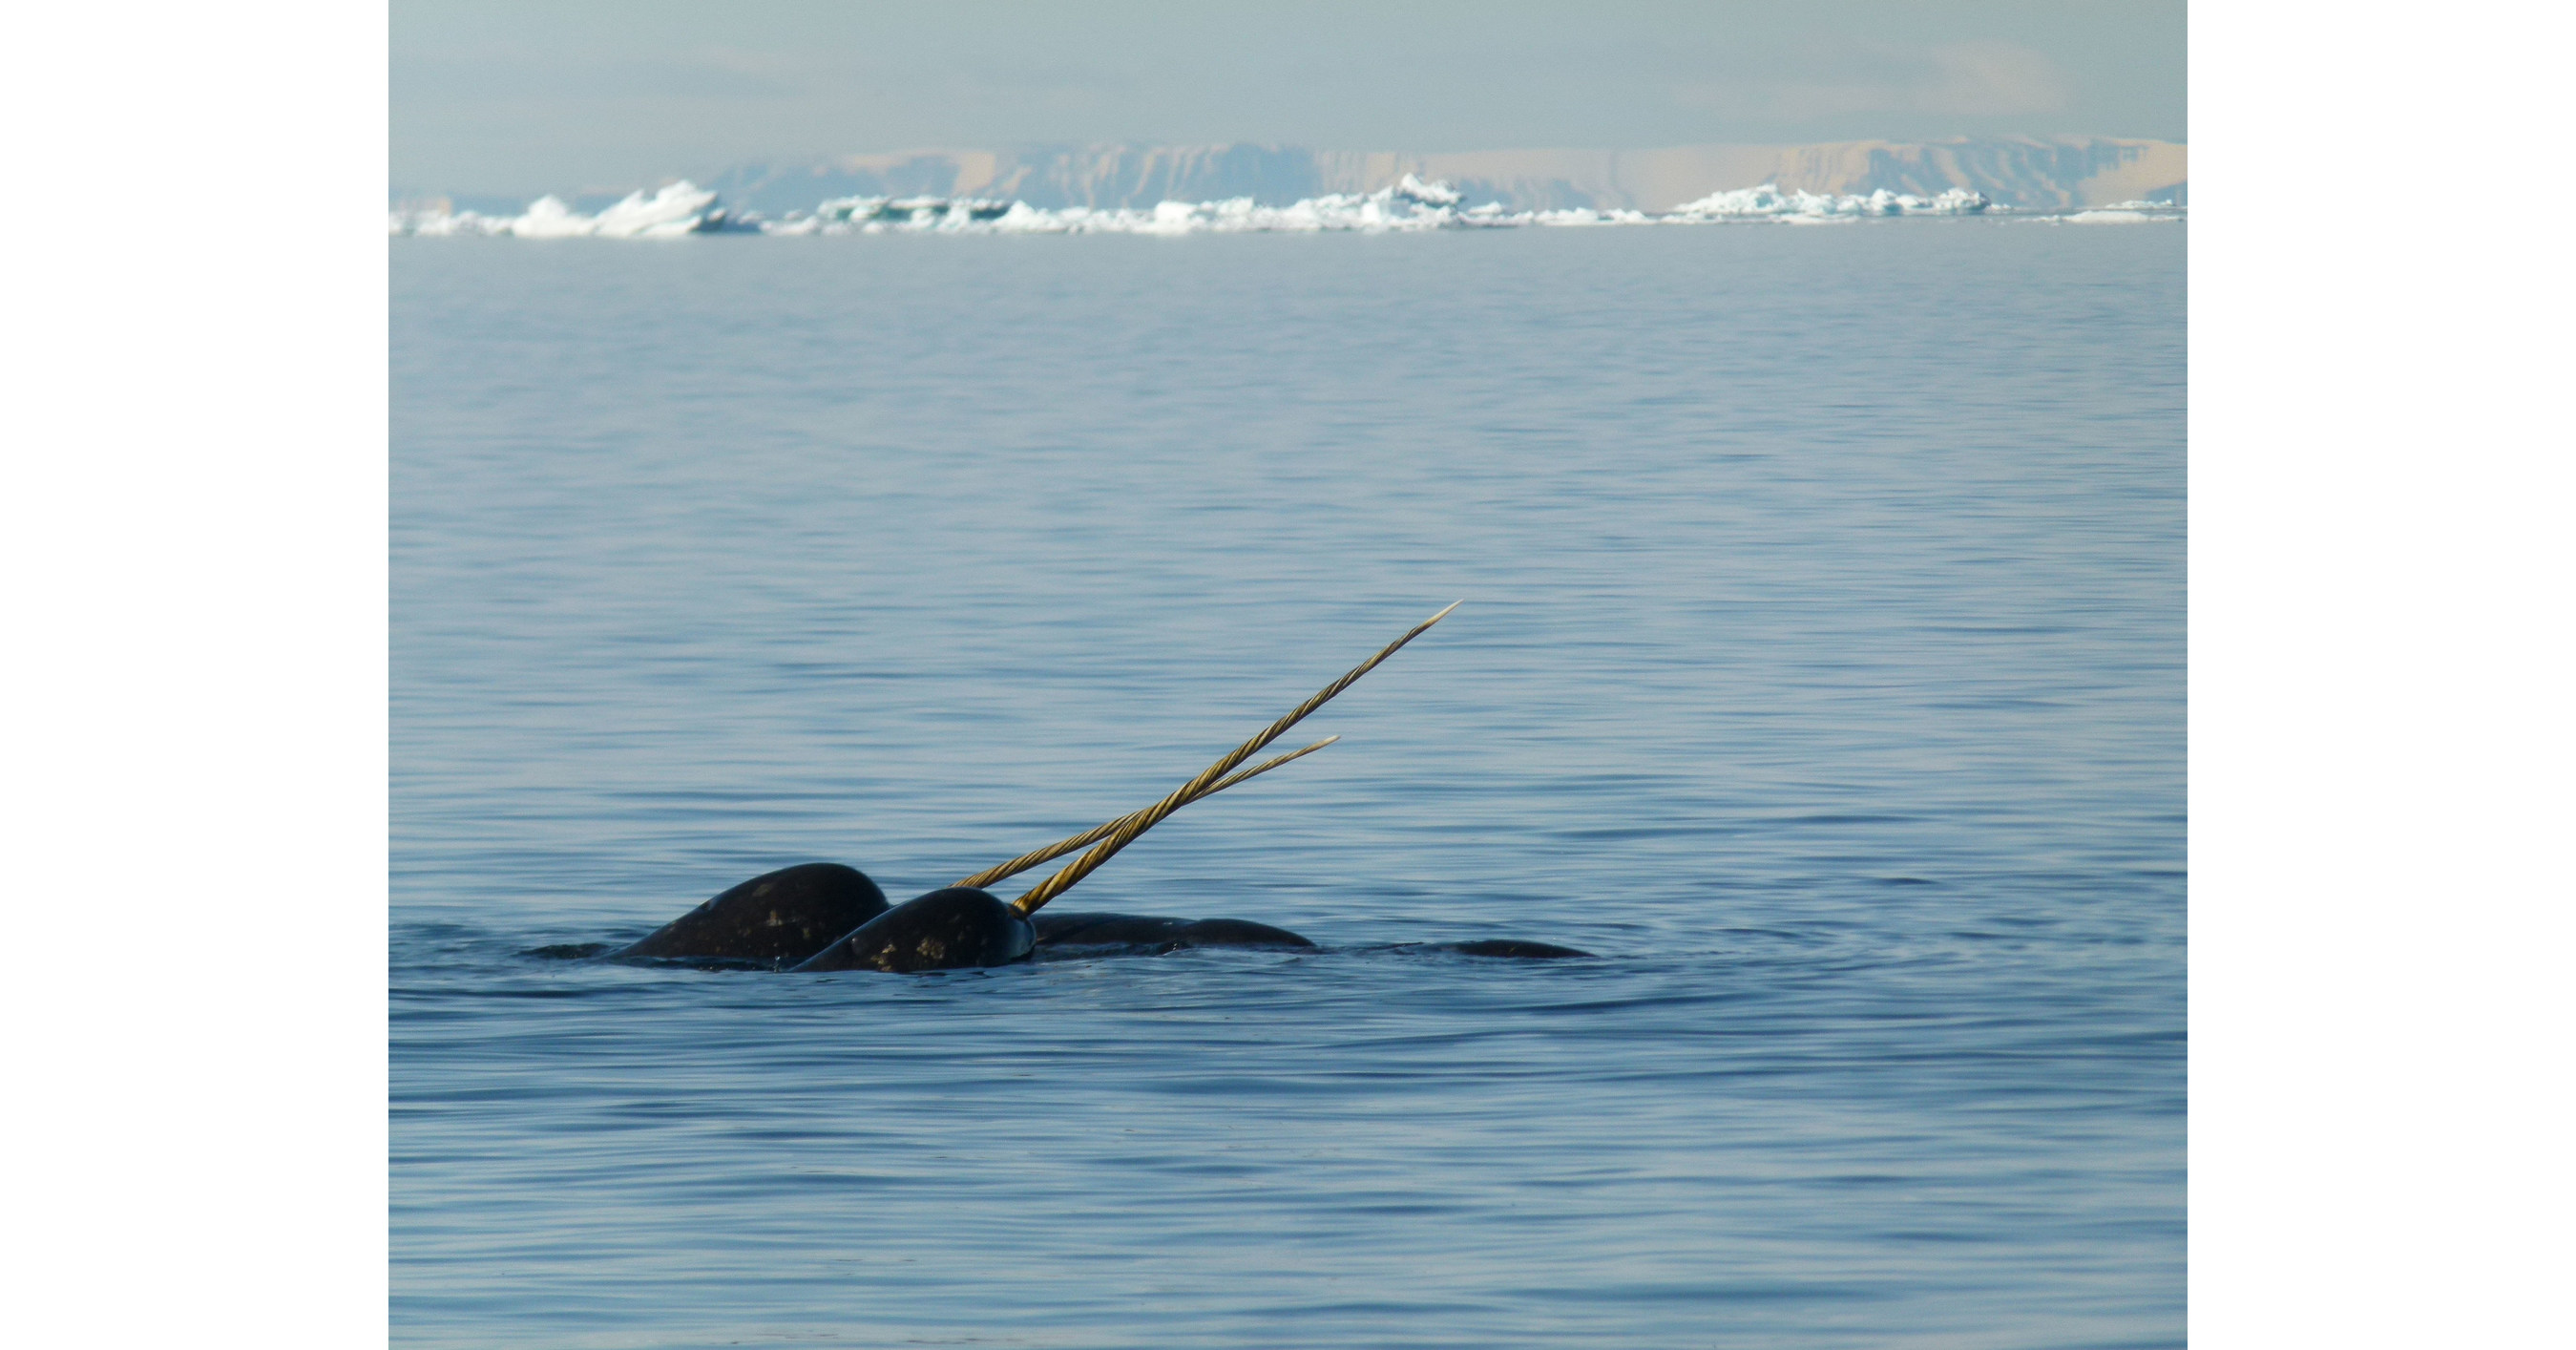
x=1412 y=204
x=2123 y=213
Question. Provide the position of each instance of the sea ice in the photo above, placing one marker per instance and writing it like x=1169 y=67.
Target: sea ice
x=1412 y=204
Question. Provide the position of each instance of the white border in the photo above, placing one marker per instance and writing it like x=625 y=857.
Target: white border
x=2379 y=690
x=194 y=533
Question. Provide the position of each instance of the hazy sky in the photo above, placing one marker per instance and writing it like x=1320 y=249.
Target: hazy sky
x=560 y=95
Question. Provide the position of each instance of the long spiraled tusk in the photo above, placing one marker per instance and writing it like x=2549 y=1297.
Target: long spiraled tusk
x=1097 y=833
x=1144 y=820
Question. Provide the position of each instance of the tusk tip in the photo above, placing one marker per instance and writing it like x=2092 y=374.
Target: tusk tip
x=1442 y=614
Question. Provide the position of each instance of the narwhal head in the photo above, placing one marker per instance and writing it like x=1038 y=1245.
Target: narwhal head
x=953 y=928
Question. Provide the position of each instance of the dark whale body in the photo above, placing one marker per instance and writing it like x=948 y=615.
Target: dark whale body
x=827 y=917
x=953 y=928
x=1506 y=948
x=1087 y=933
x=1154 y=931
x=777 y=918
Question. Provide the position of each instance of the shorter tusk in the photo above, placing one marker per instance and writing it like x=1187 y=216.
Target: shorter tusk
x=1097 y=833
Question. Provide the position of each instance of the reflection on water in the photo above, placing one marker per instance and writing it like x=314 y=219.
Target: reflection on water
x=1820 y=667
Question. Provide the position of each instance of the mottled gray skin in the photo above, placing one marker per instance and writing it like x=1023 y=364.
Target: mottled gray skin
x=955 y=928
x=780 y=917
x=1145 y=930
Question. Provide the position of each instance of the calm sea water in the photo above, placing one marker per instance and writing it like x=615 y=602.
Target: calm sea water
x=1821 y=668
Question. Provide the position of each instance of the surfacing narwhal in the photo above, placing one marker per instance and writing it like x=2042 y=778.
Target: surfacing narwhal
x=826 y=917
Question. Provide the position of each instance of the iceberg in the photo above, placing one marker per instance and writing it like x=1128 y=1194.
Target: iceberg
x=1434 y=193
x=672 y=210
x=1768 y=202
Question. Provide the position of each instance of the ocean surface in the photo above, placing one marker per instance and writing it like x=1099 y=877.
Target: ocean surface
x=1821 y=668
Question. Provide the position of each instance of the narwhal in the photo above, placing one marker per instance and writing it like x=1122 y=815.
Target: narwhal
x=781 y=918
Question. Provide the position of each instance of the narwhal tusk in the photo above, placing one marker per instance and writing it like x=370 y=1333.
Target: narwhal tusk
x=1097 y=833
x=1134 y=825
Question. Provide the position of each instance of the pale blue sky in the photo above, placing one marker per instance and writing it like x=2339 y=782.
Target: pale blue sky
x=564 y=95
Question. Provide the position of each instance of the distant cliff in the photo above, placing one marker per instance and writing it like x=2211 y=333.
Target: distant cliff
x=2028 y=173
